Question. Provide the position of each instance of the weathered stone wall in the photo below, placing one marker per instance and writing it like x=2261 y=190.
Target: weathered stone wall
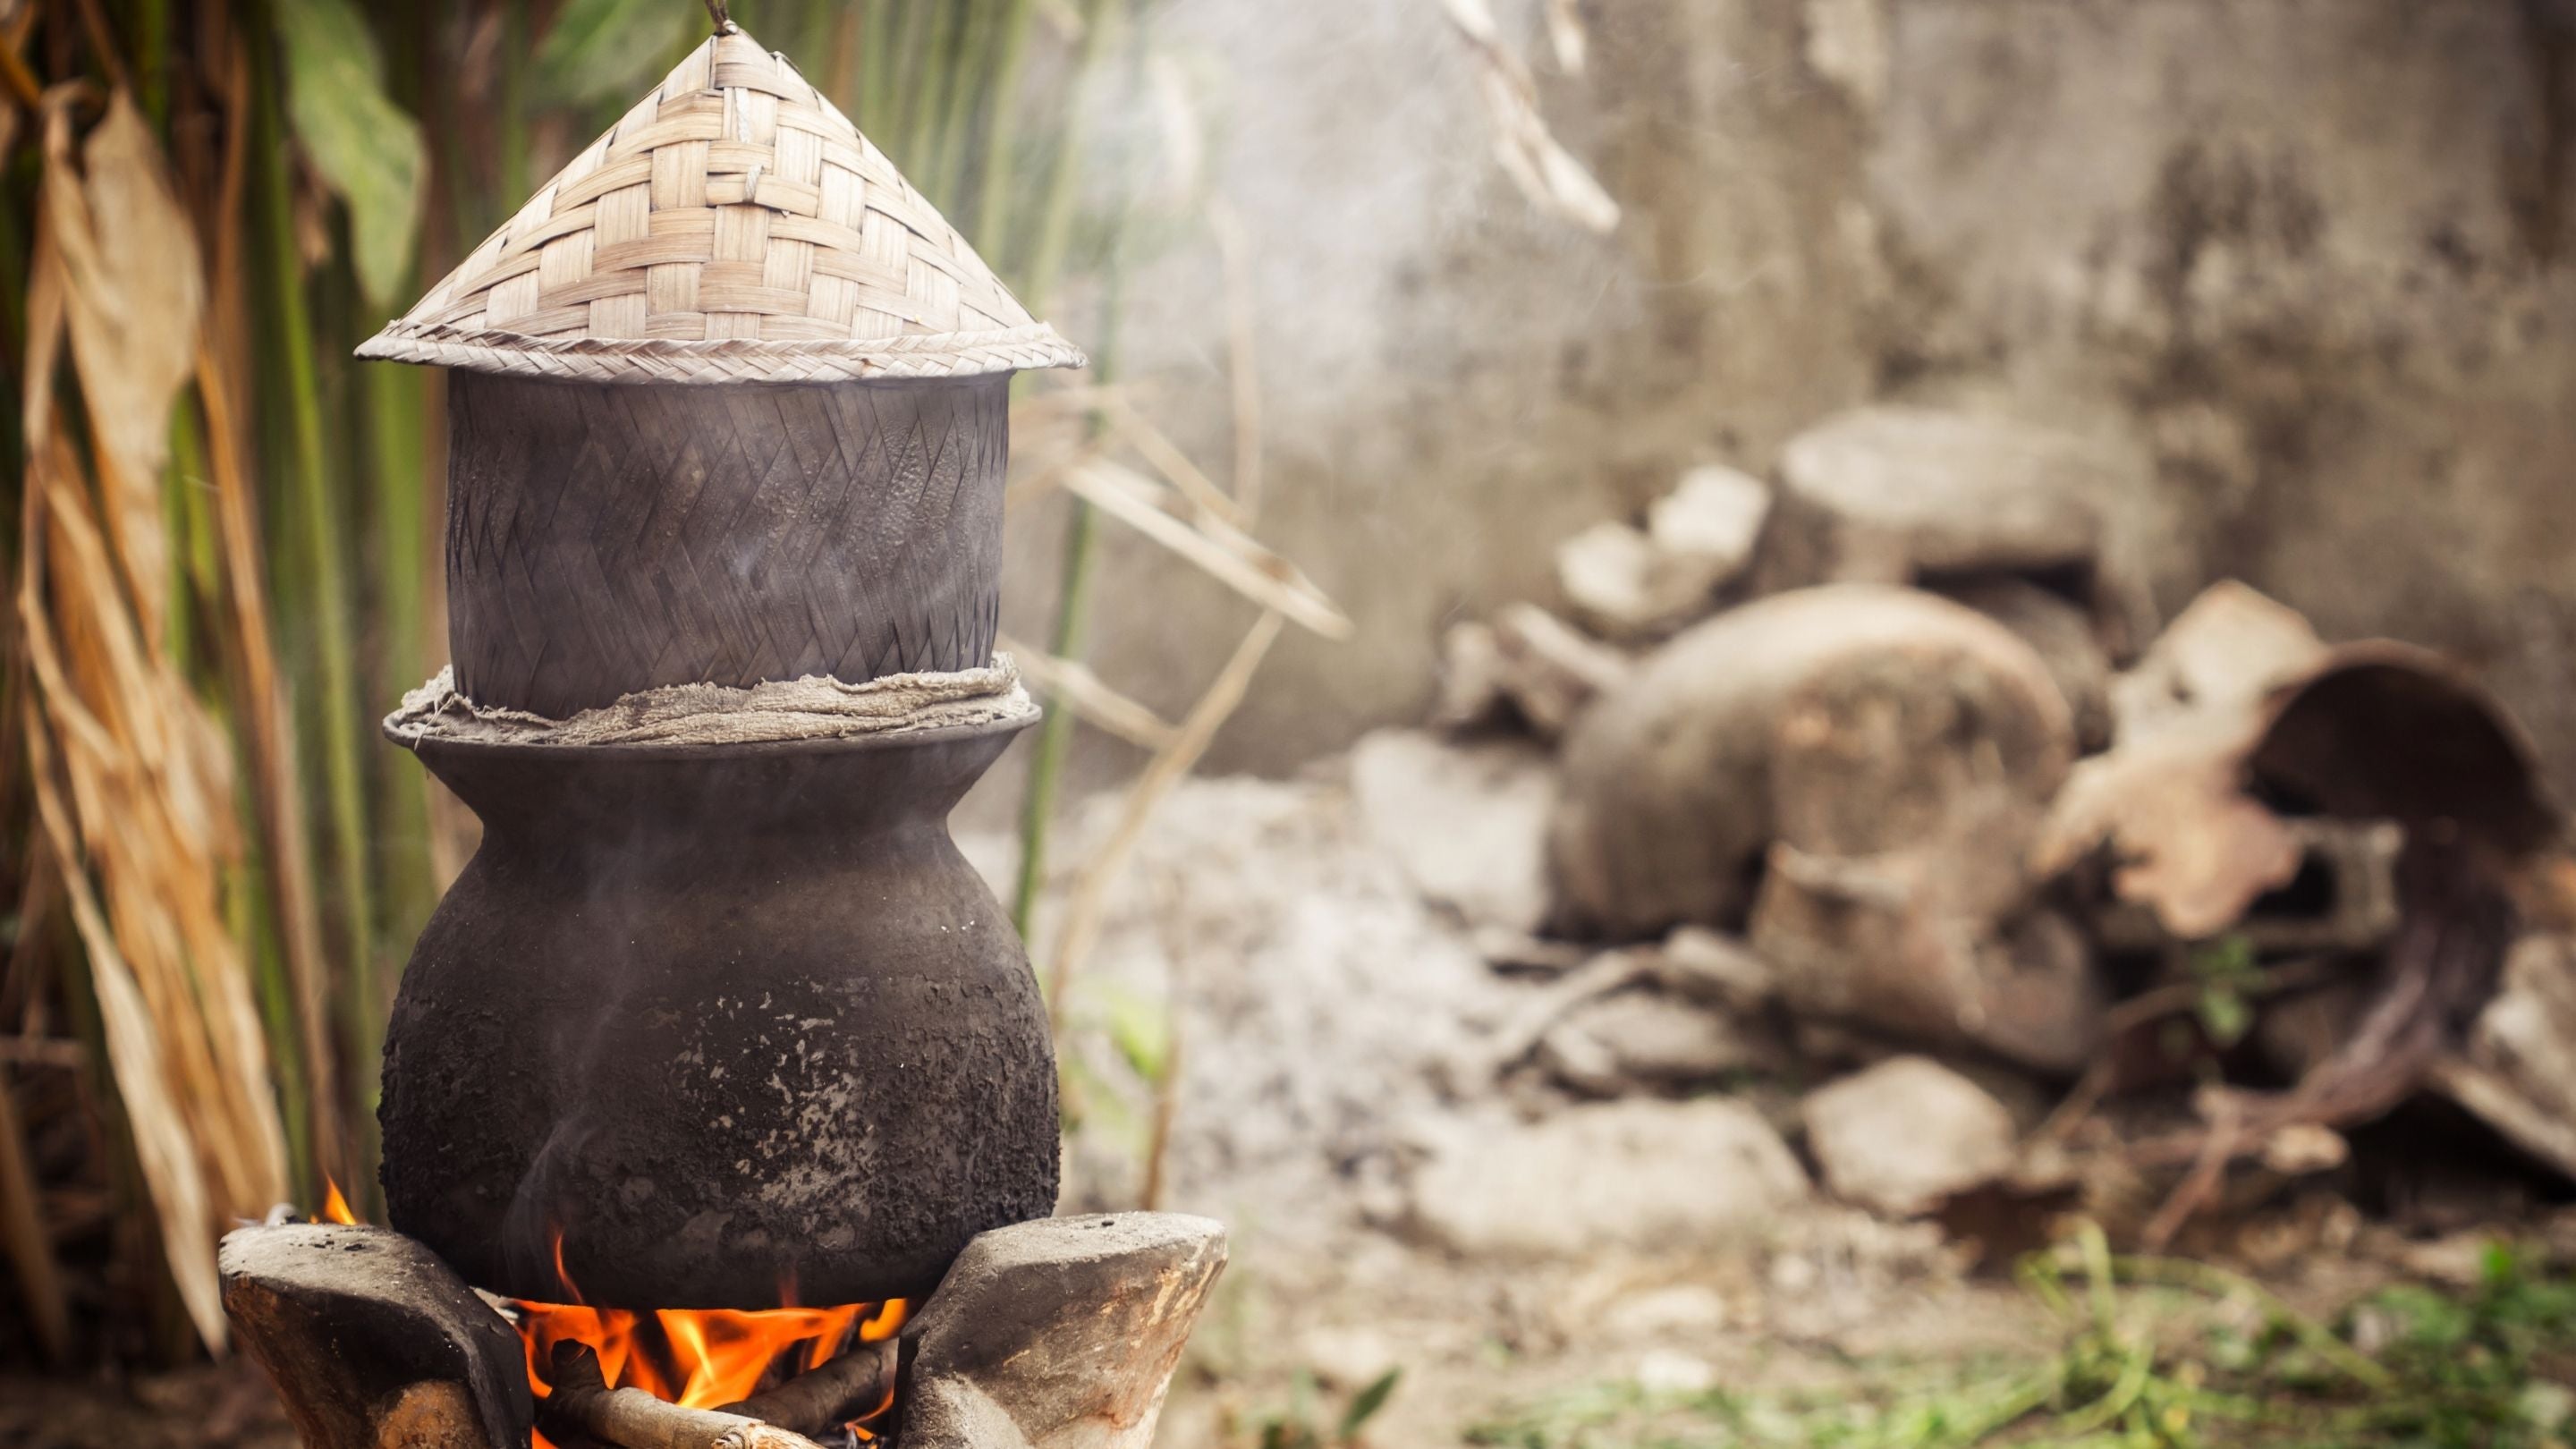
x=2311 y=256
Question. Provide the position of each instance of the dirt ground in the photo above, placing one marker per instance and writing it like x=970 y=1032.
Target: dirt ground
x=1314 y=1013
x=1310 y=1013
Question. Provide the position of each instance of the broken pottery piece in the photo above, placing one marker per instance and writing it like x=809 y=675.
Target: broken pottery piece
x=2518 y=1070
x=1704 y=531
x=2168 y=800
x=1902 y=1136
x=1606 y=573
x=1911 y=495
x=1887 y=943
x=2227 y=650
x=1634 y=584
x=2064 y=637
x=1526 y=658
x=2237 y=724
x=1673 y=788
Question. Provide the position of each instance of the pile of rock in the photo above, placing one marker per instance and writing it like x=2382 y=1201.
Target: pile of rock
x=1886 y=756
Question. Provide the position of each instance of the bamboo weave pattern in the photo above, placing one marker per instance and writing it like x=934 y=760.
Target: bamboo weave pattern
x=732 y=227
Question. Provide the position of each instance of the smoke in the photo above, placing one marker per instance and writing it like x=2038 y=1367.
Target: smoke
x=1353 y=140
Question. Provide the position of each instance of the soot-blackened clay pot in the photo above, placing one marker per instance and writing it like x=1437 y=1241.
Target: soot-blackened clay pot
x=734 y=1025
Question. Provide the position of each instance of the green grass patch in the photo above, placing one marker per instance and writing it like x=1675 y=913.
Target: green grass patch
x=2158 y=1353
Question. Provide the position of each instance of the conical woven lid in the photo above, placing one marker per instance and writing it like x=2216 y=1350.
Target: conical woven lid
x=733 y=227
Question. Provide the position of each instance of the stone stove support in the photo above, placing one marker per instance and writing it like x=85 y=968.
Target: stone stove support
x=1056 y=1334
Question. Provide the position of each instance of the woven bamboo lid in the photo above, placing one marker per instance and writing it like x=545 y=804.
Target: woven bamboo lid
x=733 y=227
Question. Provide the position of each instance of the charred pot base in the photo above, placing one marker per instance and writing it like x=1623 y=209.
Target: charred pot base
x=700 y=1025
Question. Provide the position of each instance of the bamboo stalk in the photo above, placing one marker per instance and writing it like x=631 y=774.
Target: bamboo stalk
x=152 y=59
x=1055 y=734
x=1055 y=224
x=992 y=214
x=968 y=75
x=336 y=713
x=933 y=73
x=1242 y=362
x=876 y=61
x=912 y=22
x=276 y=787
x=395 y=407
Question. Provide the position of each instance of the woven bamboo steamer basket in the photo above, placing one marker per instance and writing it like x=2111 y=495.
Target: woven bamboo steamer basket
x=732 y=227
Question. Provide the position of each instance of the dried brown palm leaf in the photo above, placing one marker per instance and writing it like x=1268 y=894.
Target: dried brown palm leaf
x=133 y=304
x=132 y=775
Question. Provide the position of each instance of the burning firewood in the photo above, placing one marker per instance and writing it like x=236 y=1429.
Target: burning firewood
x=582 y=1403
x=858 y=1383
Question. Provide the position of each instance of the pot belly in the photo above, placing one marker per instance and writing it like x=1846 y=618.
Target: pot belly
x=724 y=1081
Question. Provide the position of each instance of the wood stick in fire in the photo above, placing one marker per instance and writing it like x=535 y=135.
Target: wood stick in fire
x=583 y=1403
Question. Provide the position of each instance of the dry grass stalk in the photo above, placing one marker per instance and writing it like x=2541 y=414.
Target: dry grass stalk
x=1224 y=552
x=20 y=1000
x=1529 y=153
x=1089 y=905
x=1055 y=463
x=1242 y=364
x=132 y=776
x=22 y=1234
x=1174 y=465
x=1566 y=37
x=1072 y=684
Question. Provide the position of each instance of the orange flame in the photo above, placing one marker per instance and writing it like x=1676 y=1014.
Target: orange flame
x=698 y=1358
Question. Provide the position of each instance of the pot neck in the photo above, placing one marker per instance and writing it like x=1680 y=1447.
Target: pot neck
x=708 y=799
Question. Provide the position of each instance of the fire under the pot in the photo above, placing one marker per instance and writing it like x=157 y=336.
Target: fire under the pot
x=714 y=1358
x=1059 y=1333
